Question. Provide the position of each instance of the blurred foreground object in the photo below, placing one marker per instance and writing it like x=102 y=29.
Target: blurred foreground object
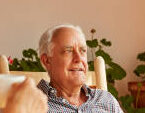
x=26 y=98
x=101 y=82
x=4 y=68
x=6 y=82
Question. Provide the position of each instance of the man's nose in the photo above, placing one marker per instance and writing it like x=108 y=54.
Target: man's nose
x=77 y=57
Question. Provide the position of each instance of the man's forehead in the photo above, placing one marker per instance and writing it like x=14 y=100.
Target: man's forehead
x=68 y=37
x=61 y=31
x=66 y=31
x=71 y=47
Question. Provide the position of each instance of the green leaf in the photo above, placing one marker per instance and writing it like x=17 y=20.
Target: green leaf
x=29 y=62
x=126 y=102
x=92 y=43
x=91 y=65
x=105 y=42
x=26 y=54
x=30 y=54
x=32 y=51
x=25 y=65
x=105 y=55
x=116 y=71
x=15 y=65
x=35 y=66
x=141 y=56
x=140 y=110
x=110 y=79
x=140 y=69
x=112 y=90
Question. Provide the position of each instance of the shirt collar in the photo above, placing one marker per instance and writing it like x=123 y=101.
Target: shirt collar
x=50 y=91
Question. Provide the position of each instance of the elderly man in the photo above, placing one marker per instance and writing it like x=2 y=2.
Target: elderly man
x=63 y=53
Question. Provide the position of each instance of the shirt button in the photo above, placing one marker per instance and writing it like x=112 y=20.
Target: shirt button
x=52 y=91
x=79 y=111
x=63 y=100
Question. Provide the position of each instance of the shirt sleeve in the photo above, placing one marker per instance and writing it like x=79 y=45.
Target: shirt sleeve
x=118 y=109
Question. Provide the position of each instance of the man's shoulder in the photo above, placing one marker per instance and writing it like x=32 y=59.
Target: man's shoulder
x=103 y=96
x=105 y=100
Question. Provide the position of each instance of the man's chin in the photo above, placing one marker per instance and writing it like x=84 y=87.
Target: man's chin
x=79 y=82
x=77 y=73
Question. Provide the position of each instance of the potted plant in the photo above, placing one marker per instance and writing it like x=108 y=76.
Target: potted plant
x=28 y=65
x=113 y=70
x=137 y=89
x=126 y=102
x=29 y=62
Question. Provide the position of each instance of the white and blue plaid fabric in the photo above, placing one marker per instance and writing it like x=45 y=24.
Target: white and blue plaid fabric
x=99 y=101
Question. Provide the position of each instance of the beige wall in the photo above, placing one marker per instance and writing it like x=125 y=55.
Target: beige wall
x=121 y=21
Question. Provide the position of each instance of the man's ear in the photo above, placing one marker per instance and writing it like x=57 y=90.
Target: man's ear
x=45 y=59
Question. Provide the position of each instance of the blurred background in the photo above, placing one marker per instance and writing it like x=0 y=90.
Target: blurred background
x=22 y=22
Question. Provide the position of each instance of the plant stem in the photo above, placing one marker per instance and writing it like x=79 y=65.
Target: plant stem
x=137 y=97
x=92 y=48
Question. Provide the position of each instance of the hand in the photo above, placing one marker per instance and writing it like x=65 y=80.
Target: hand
x=26 y=98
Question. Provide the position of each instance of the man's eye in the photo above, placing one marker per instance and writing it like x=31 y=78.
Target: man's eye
x=83 y=50
x=68 y=51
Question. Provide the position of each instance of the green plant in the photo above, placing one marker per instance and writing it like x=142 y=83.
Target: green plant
x=140 y=72
x=113 y=70
x=140 y=69
x=128 y=100
x=127 y=105
x=29 y=62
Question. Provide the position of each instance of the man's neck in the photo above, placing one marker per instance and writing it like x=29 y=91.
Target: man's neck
x=73 y=95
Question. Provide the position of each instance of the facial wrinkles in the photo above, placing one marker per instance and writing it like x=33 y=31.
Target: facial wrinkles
x=79 y=60
x=75 y=42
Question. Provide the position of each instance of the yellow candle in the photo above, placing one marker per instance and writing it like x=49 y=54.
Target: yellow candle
x=99 y=67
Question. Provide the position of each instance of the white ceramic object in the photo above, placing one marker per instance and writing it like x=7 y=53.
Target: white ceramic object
x=6 y=82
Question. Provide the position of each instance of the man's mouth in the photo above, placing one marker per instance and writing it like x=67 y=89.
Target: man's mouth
x=76 y=69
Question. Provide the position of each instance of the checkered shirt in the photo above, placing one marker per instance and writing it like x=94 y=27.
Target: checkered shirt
x=99 y=101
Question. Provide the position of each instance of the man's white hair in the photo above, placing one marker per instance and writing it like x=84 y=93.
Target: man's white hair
x=45 y=43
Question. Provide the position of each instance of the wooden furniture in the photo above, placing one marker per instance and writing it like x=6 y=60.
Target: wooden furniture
x=95 y=78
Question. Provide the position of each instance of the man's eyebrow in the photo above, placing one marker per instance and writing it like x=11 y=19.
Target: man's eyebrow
x=68 y=47
x=71 y=47
x=83 y=47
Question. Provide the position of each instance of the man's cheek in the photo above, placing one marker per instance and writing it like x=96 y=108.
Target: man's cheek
x=86 y=68
x=85 y=64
